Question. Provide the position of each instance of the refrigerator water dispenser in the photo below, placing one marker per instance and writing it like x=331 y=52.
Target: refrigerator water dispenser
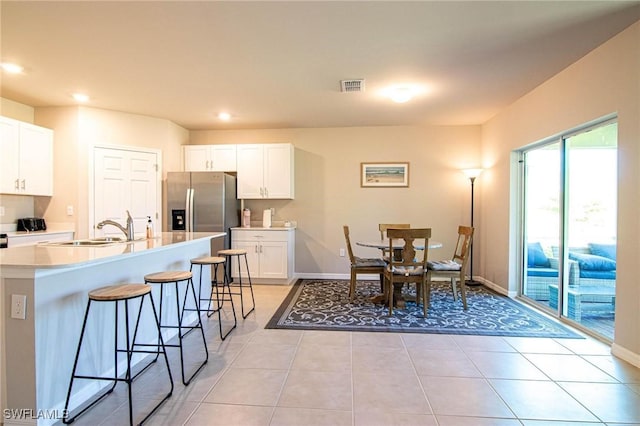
x=178 y=220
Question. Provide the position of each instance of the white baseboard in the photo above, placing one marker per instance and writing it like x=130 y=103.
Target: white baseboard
x=625 y=354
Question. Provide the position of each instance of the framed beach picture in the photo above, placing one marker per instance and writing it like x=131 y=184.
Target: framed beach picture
x=384 y=174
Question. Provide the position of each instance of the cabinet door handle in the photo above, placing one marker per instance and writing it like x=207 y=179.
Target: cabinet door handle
x=261 y=191
x=207 y=165
x=266 y=192
x=17 y=183
x=260 y=249
x=256 y=248
x=23 y=184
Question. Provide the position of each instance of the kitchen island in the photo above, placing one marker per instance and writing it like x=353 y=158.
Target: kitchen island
x=39 y=350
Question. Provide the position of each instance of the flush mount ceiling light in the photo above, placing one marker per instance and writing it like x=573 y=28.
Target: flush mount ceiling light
x=80 y=97
x=401 y=93
x=12 y=68
x=224 y=116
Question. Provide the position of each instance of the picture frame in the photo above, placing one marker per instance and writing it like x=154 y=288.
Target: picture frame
x=377 y=175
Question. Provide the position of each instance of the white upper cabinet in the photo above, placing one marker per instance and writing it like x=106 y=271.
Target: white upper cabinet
x=209 y=158
x=266 y=171
x=26 y=163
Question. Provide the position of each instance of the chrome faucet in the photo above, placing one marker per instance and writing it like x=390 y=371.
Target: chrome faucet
x=128 y=231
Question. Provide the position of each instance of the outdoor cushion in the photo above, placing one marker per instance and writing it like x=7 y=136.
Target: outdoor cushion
x=542 y=272
x=536 y=256
x=604 y=250
x=600 y=275
x=591 y=262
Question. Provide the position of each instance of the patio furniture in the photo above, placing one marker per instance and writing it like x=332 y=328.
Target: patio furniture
x=585 y=298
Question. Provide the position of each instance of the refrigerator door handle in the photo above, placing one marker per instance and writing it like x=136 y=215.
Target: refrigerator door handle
x=191 y=212
x=187 y=211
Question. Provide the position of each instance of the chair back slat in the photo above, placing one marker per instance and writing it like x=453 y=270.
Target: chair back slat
x=407 y=255
x=348 y=241
x=465 y=237
x=384 y=226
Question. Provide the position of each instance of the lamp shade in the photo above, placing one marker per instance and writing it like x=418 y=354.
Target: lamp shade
x=472 y=173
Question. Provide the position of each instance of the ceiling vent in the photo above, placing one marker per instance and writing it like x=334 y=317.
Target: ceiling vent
x=352 y=85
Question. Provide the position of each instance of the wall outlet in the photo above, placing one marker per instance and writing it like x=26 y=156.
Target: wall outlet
x=341 y=252
x=69 y=210
x=19 y=306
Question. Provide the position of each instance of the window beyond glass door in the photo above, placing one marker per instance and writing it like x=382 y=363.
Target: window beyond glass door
x=569 y=226
x=591 y=221
x=542 y=206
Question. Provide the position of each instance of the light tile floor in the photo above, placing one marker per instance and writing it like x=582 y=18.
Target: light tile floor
x=283 y=377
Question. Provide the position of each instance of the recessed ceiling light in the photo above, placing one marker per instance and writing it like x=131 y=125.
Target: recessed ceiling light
x=224 y=116
x=12 y=68
x=80 y=97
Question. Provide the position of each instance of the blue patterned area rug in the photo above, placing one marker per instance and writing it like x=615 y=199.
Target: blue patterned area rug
x=324 y=305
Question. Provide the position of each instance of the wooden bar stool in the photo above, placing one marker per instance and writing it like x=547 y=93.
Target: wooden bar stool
x=215 y=261
x=121 y=293
x=228 y=254
x=176 y=277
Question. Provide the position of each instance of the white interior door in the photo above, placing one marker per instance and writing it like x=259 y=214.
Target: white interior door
x=125 y=180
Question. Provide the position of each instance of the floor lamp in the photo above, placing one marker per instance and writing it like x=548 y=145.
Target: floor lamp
x=472 y=174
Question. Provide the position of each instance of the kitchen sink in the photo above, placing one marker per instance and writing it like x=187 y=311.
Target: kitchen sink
x=85 y=243
x=108 y=239
x=93 y=242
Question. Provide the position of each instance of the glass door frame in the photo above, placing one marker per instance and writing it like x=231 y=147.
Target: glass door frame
x=563 y=218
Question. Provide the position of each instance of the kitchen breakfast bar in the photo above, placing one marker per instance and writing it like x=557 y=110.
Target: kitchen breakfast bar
x=38 y=351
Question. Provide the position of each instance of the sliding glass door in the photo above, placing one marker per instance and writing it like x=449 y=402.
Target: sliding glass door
x=569 y=226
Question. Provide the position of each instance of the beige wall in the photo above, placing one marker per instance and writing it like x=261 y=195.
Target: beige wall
x=328 y=192
x=77 y=131
x=606 y=81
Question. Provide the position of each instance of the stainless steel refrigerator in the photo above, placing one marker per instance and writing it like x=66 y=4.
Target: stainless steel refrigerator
x=203 y=202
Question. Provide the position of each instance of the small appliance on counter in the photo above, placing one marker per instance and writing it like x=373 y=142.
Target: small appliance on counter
x=31 y=224
x=266 y=218
x=246 y=218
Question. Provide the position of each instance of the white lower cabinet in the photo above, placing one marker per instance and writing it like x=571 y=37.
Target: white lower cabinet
x=270 y=253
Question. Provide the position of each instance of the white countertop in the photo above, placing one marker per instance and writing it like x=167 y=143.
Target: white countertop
x=44 y=256
x=260 y=228
x=49 y=231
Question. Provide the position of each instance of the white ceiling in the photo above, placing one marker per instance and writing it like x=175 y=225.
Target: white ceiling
x=279 y=64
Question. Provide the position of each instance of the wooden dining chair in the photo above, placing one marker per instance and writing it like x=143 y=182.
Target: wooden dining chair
x=453 y=269
x=360 y=265
x=406 y=267
x=383 y=234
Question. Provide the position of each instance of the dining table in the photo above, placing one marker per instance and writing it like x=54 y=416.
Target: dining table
x=398 y=244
